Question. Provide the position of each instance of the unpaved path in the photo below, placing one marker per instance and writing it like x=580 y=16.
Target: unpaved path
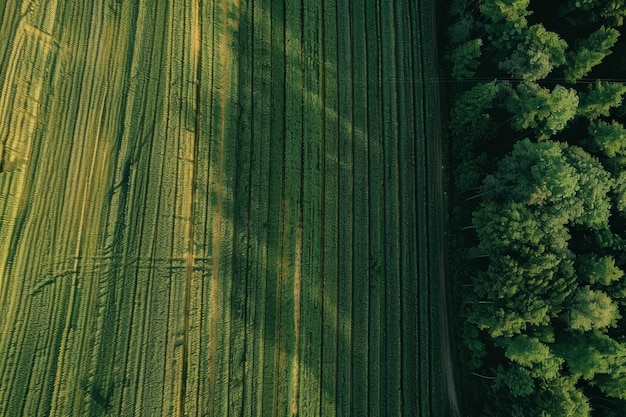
x=448 y=363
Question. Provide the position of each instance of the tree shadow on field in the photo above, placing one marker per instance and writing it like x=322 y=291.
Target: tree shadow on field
x=329 y=286
x=293 y=203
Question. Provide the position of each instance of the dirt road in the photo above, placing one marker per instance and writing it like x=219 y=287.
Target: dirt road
x=439 y=196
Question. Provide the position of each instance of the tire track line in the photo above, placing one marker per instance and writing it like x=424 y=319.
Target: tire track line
x=190 y=255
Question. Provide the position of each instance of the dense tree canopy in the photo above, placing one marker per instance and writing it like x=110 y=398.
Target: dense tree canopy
x=540 y=157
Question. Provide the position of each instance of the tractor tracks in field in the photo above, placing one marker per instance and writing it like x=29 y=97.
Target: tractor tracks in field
x=190 y=255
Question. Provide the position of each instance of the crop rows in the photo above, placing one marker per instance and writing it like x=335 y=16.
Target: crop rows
x=222 y=208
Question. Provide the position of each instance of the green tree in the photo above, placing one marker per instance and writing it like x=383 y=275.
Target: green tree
x=560 y=397
x=506 y=21
x=608 y=138
x=500 y=318
x=602 y=271
x=586 y=353
x=589 y=53
x=612 y=384
x=508 y=227
x=533 y=356
x=535 y=57
x=476 y=348
x=600 y=98
x=526 y=350
x=565 y=181
x=611 y=12
x=460 y=31
x=619 y=192
x=597 y=358
x=515 y=380
x=592 y=309
x=592 y=205
x=557 y=397
x=465 y=59
x=513 y=296
x=534 y=173
x=471 y=123
x=546 y=112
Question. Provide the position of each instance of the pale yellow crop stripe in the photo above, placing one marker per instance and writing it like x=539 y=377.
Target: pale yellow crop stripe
x=20 y=96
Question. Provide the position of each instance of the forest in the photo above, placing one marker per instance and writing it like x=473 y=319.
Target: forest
x=537 y=146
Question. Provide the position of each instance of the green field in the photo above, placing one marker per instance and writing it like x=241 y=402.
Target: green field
x=220 y=208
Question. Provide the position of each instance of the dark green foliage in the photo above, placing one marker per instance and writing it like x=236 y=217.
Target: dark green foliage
x=600 y=98
x=613 y=384
x=461 y=31
x=535 y=57
x=469 y=172
x=516 y=379
x=558 y=397
x=476 y=347
x=611 y=12
x=597 y=270
x=545 y=112
x=588 y=354
x=589 y=53
x=535 y=173
x=591 y=309
x=608 y=138
x=619 y=195
x=543 y=153
x=592 y=205
x=465 y=58
x=514 y=228
x=471 y=109
x=506 y=21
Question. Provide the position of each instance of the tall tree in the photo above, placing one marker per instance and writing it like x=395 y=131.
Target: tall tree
x=515 y=379
x=611 y=12
x=546 y=112
x=471 y=123
x=591 y=309
x=589 y=52
x=594 y=269
x=600 y=98
x=608 y=138
x=513 y=296
x=509 y=227
x=534 y=173
x=506 y=21
x=465 y=59
x=592 y=204
x=460 y=31
x=533 y=355
x=557 y=397
x=535 y=57
x=619 y=192
x=586 y=353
